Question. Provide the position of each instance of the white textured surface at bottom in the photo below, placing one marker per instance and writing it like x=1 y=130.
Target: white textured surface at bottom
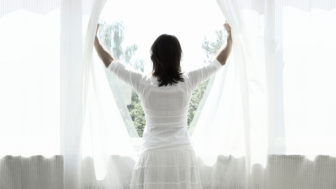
x=281 y=172
x=167 y=168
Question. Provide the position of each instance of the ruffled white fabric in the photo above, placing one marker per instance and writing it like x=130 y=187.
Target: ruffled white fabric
x=167 y=168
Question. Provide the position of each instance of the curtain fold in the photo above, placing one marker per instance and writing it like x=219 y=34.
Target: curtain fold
x=105 y=135
x=237 y=124
x=70 y=89
x=252 y=122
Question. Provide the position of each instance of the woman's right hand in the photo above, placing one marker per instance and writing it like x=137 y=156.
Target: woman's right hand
x=224 y=53
x=229 y=37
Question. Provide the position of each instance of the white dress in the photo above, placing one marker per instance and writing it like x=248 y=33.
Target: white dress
x=167 y=160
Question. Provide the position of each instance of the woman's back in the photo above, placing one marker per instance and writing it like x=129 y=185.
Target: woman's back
x=165 y=107
x=166 y=110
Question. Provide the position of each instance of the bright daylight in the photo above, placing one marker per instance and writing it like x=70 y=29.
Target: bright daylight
x=157 y=94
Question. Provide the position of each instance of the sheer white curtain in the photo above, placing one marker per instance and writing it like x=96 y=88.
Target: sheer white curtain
x=105 y=133
x=41 y=83
x=29 y=80
x=276 y=97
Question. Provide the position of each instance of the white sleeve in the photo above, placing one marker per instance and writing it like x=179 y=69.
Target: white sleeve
x=197 y=76
x=126 y=73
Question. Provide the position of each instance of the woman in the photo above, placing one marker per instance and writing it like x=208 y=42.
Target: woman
x=167 y=160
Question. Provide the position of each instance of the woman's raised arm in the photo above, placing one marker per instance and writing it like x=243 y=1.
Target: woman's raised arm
x=104 y=55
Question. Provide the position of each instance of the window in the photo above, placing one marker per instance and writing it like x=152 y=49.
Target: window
x=128 y=32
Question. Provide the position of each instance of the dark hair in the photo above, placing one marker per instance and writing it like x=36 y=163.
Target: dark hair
x=166 y=57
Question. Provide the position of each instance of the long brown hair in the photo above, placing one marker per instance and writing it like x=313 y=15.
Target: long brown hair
x=166 y=56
